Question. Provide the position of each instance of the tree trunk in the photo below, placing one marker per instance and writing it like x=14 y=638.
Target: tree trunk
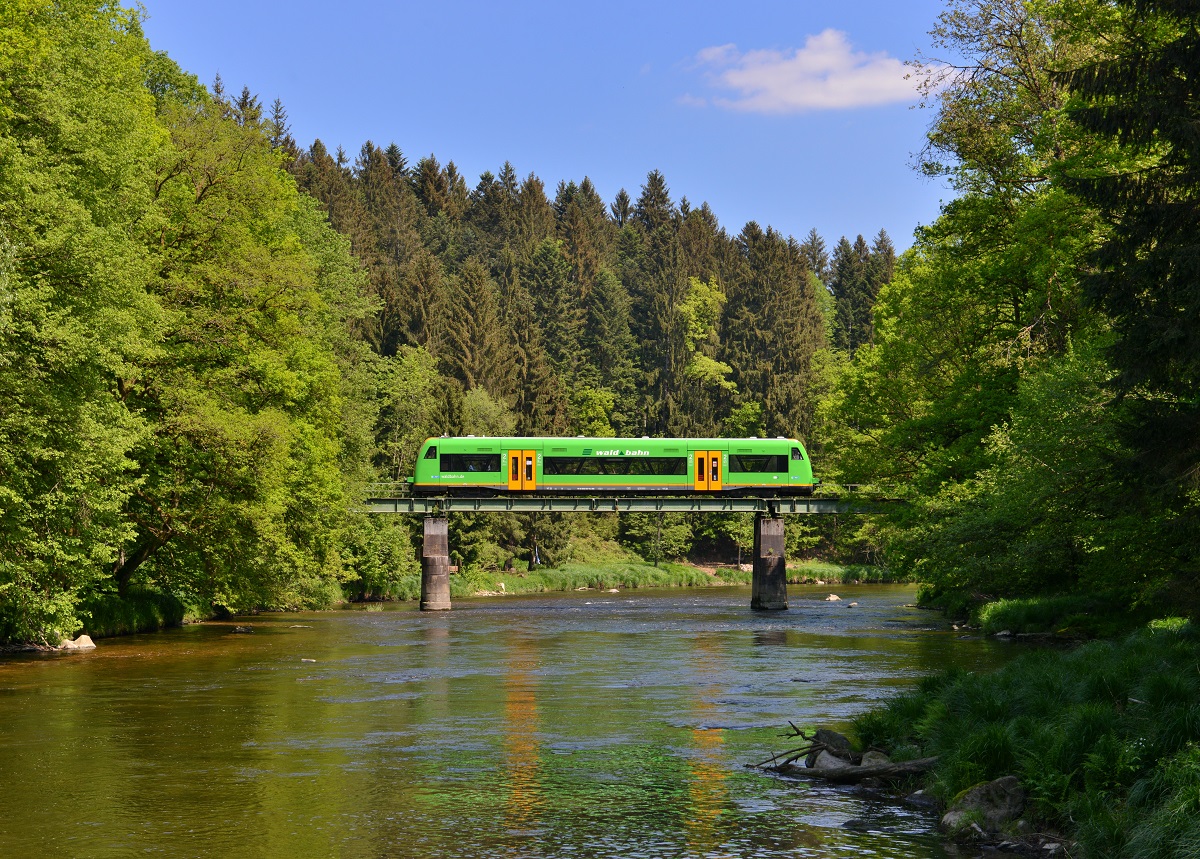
x=851 y=774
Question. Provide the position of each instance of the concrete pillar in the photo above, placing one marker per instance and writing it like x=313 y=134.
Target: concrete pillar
x=435 y=565
x=768 y=589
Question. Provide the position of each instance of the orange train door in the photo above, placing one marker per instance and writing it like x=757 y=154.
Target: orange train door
x=514 y=469
x=529 y=469
x=522 y=469
x=707 y=476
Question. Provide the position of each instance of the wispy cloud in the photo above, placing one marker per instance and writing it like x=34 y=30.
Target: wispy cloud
x=826 y=74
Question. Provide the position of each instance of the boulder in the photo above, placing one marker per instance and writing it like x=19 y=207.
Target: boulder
x=873 y=758
x=834 y=743
x=826 y=761
x=84 y=642
x=991 y=805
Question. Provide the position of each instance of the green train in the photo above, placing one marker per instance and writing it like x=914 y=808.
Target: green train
x=484 y=466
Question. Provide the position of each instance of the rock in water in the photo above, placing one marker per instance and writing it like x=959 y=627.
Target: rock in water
x=827 y=761
x=833 y=598
x=84 y=642
x=997 y=802
x=834 y=743
x=873 y=758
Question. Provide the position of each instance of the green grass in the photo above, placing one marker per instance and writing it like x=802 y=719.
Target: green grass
x=600 y=575
x=1073 y=615
x=811 y=572
x=1105 y=738
x=141 y=610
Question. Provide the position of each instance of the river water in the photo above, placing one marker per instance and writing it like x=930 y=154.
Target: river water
x=560 y=725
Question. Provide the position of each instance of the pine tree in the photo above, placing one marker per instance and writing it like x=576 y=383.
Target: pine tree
x=851 y=288
x=557 y=305
x=812 y=251
x=621 y=208
x=610 y=348
x=429 y=183
x=475 y=350
x=881 y=264
x=533 y=217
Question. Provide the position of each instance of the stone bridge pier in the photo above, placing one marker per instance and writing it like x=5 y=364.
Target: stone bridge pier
x=435 y=565
x=768 y=587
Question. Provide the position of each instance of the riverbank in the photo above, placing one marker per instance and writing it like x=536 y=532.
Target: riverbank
x=631 y=572
x=1103 y=738
x=148 y=610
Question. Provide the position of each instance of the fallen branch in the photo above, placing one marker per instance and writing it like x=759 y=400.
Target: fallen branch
x=773 y=762
x=851 y=774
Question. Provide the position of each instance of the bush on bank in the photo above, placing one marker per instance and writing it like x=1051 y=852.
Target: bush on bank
x=1105 y=738
x=141 y=610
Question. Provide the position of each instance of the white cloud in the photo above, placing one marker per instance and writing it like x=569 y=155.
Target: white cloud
x=826 y=74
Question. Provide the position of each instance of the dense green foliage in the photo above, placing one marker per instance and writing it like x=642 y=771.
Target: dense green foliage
x=213 y=340
x=1105 y=739
x=186 y=409
x=1031 y=381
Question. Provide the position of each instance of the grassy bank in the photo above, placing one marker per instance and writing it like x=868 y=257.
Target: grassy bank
x=141 y=610
x=1072 y=616
x=619 y=570
x=1105 y=738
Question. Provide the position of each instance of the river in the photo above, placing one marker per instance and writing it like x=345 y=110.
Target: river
x=559 y=725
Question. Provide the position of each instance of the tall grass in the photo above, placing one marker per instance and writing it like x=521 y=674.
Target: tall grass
x=1092 y=616
x=1105 y=738
x=141 y=610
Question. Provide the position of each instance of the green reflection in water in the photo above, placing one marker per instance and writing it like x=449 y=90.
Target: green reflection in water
x=565 y=725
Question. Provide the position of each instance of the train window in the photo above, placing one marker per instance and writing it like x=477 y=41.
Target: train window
x=529 y=469
x=562 y=464
x=796 y=454
x=716 y=469
x=431 y=453
x=472 y=462
x=516 y=469
x=758 y=464
x=614 y=466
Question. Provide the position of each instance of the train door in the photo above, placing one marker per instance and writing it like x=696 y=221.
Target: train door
x=514 y=470
x=707 y=476
x=529 y=469
x=522 y=469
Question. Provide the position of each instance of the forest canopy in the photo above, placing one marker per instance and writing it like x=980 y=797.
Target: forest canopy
x=214 y=337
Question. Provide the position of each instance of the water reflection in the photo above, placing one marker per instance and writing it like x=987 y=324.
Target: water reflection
x=521 y=734
x=708 y=765
x=558 y=725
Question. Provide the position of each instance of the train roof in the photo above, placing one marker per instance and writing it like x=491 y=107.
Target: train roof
x=595 y=442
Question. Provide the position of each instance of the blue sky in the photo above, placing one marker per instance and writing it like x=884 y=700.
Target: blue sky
x=793 y=114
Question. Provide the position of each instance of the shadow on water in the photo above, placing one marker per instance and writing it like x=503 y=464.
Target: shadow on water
x=583 y=724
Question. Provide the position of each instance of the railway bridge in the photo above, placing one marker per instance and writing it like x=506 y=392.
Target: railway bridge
x=769 y=578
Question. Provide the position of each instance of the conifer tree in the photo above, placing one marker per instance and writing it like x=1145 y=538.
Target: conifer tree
x=851 y=288
x=621 y=208
x=812 y=250
x=430 y=185
x=610 y=349
x=533 y=217
x=557 y=305
x=475 y=350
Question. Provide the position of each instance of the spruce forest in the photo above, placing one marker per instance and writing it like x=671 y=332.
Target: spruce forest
x=215 y=337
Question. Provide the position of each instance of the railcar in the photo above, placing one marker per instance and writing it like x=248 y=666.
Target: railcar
x=612 y=466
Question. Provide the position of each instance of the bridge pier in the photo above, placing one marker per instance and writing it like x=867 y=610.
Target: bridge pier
x=435 y=565
x=768 y=588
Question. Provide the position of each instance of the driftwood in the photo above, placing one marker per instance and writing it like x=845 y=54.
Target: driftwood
x=851 y=774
